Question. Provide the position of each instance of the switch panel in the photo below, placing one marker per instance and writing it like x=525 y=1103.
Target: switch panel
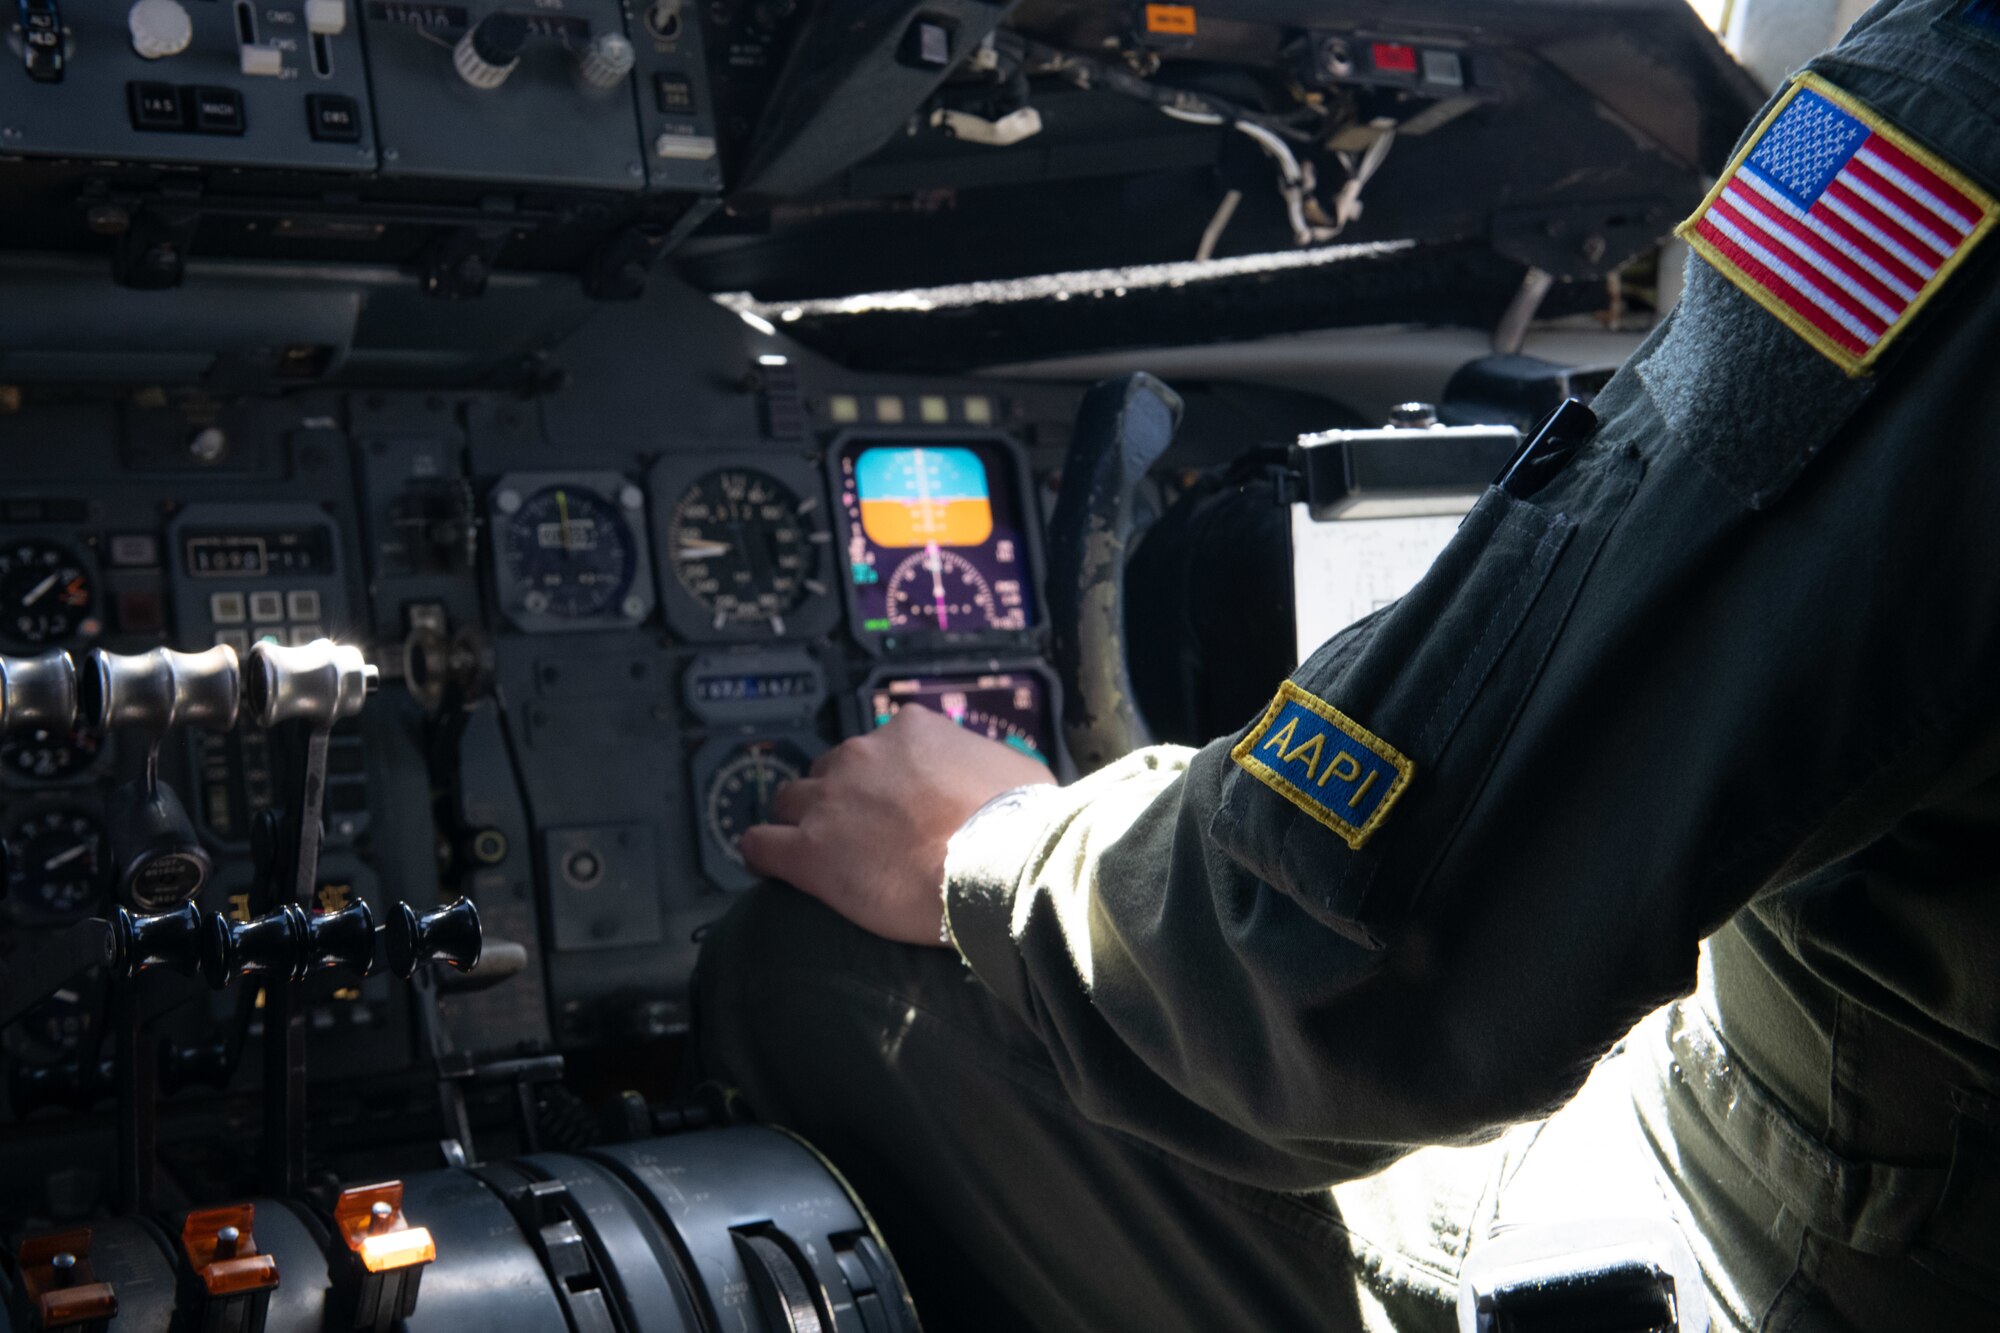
x=498 y=91
x=184 y=81
x=676 y=112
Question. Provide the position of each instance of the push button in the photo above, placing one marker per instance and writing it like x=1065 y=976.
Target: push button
x=674 y=94
x=217 y=110
x=333 y=119
x=156 y=106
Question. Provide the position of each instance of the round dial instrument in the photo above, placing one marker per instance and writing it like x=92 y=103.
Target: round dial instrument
x=55 y=872
x=570 y=552
x=739 y=543
x=49 y=756
x=936 y=589
x=45 y=593
x=53 y=1029
x=740 y=791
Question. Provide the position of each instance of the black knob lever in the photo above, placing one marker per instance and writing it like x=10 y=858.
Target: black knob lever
x=166 y=939
x=451 y=934
x=344 y=939
x=288 y=943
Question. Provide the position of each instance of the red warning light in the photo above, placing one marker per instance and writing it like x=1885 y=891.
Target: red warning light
x=1393 y=57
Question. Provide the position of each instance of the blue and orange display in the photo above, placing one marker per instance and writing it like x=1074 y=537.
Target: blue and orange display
x=916 y=496
x=933 y=542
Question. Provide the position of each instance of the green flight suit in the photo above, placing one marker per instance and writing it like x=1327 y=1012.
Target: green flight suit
x=1703 y=737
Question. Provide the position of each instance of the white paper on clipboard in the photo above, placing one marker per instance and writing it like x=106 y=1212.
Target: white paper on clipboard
x=1344 y=569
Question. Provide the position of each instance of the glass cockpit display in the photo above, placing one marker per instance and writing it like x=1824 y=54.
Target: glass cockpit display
x=1011 y=707
x=934 y=539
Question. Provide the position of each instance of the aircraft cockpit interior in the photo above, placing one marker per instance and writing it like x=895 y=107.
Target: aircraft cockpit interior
x=459 y=461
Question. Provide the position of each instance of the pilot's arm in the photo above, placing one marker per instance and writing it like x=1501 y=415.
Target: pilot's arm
x=1479 y=834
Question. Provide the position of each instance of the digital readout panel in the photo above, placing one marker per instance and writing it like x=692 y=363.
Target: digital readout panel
x=256 y=555
x=1009 y=707
x=934 y=541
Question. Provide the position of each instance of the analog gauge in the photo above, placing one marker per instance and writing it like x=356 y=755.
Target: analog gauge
x=52 y=1029
x=45 y=593
x=740 y=544
x=49 y=756
x=936 y=589
x=56 y=866
x=740 y=790
x=570 y=553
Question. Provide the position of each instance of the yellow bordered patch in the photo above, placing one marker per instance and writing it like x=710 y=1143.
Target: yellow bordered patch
x=1325 y=763
x=1838 y=223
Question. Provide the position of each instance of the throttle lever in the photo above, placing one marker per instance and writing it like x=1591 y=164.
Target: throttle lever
x=451 y=935
x=37 y=692
x=318 y=684
x=289 y=944
x=315 y=685
x=159 y=859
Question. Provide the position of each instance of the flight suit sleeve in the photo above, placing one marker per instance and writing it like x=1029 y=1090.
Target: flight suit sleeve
x=1481 y=833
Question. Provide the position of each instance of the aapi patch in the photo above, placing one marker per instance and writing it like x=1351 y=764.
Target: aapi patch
x=1838 y=223
x=1325 y=763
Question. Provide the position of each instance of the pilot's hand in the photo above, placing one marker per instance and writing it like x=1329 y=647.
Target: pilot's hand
x=866 y=833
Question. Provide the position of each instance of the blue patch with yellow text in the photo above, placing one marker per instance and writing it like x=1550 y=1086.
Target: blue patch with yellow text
x=1325 y=763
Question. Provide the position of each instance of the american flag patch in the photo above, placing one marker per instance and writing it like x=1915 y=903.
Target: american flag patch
x=1837 y=223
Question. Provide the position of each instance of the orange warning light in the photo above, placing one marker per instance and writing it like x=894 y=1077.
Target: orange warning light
x=1170 y=20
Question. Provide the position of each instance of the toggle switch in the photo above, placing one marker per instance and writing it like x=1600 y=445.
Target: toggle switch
x=43 y=50
x=326 y=18
x=260 y=62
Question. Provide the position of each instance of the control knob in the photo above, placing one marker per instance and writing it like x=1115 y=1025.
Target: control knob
x=607 y=60
x=160 y=28
x=486 y=55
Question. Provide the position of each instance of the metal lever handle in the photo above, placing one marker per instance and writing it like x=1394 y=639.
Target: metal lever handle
x=160 y=690
x=37 y=692
x=320 y=683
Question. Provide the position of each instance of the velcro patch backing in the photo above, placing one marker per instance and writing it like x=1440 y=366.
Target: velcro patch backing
x=1838 y=223
x=1325 y=763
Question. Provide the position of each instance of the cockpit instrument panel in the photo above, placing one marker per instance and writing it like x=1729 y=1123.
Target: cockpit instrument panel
x=569 y=551
x=743 y=549
x=934 y=540
x=1014 y=706
x=735 y=780
x=46 y=594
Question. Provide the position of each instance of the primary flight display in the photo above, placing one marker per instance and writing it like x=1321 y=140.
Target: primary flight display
x=934 y=543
